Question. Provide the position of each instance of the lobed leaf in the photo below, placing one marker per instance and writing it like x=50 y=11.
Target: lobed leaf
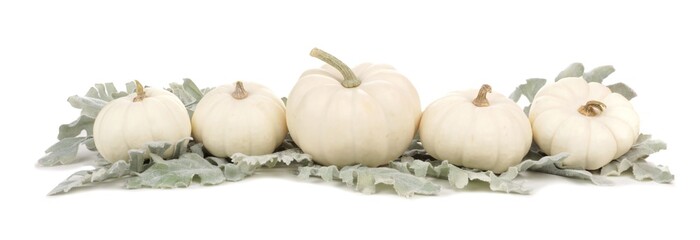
x=623 y=90
x=573 y=70
x=634 y=159
x=366 y=179
x=598 y=74
x=66 y=149
x=62 y=152
x=188 y=93
x=529 y=89
x=89 y=177
x=73 y=129
x=178 y=172
x=243 y=165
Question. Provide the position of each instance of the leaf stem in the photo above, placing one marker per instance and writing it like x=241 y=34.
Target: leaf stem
x=349 y=78
x=592 y=108
x=240 y=92
x=480 y=100
x=140 y=93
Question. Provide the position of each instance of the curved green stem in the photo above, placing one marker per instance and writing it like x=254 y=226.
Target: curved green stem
x=140 y=94
x=349 y=78
x=480 y=100
x=240 y=92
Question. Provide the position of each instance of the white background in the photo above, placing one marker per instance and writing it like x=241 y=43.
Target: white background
x=51 y=50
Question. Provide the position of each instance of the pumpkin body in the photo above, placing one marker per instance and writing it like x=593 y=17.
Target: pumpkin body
x=592 y=141
x=370 y=124
x=124 y=124
x=492 y=137
x=253 y=125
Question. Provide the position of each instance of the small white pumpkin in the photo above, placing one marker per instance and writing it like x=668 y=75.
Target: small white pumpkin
x=584 y=119
x=130 y=122
x=476 y=130
x=341 y=116
x=236 y=119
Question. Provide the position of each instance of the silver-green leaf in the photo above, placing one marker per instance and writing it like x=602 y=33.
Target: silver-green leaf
x=460 y=178
x=366 y=179
x=635 y=159
x=623 y=90
x=188 y=93
x=287 y=157
x=87 y=177
x=243 y=165
x=598 y=74
x=528 y=89
x=63 y=152
x=73 y=129
x=90 y=107
x=573 y=70
x=178 y=173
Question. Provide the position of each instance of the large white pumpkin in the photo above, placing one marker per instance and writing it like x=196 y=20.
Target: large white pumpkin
x=236 y=119
x=585 y=120
x=341 y=116
x=476 y=130
x=130 y=122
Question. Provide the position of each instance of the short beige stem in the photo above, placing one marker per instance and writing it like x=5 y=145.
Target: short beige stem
x=592 y=108
x=480 y=100
x=140 y=93
x=349 y=78
x=240 y=92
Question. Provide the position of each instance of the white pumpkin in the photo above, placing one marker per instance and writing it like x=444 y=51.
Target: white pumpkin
x=584 y=119
x=236 y=119
x=130 y=122
x=341 y=116
x=476 y=130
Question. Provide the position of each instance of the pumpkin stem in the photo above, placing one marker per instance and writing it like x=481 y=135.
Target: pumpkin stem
x=140 y=94
x=592 y=108
x=480 y=100
x=349 y=78
x=240 y=92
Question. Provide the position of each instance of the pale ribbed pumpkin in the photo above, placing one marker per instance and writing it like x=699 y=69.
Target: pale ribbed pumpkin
x=341 y=116
x=476 y=129
x=130 y=122
x=586 y=120
x=236 y=119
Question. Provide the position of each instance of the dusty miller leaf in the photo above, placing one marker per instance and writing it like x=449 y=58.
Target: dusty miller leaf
x=65 y=151
x=88 y=177
x=461 y=177
x=76 y=127
x=178 y=173
x=623 y=90
x=598 y=74
x=286 y=157
x=89 y=107
x=555 y=169
x=243 y=166
x=573 y=70
x=197 y=148
x=103 y=92
x=216 y=161
x=528 y=89
x=62 y=152
x=188 y=93
x=635 y=159
x=138 y=161
x=366 y=179
x=327 y=173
